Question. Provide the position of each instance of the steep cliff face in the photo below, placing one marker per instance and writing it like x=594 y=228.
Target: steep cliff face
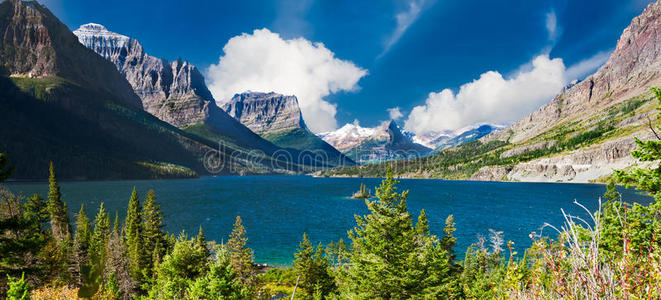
x=384 y=142
x=613 y=104
x=174 y=92
x=266 y=112
x=632 y=68
x=278 y=119
x=36 y=44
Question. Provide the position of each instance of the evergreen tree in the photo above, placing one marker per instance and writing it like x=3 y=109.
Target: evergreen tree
x=23 y=239
x=201 y=242
x=81 y=245
x=241 y=257
x=133 y=236
x=115 y=225
x=154 y=238
x=36 y=210
x=97 y=252
x=390 y=259
x=304 y=265
x=422 y=226
x=219 y=282
x=313 y=268
x=185 y=264
x=59 y=220
x=448 y=242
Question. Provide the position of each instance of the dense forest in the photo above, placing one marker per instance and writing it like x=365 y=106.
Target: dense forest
x=389 y=255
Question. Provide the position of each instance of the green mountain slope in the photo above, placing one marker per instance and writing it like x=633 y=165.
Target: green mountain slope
x=61 y=102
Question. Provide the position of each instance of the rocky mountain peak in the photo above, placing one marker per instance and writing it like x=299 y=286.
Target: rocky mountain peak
x=266 y=112
x=174 y=92
x=633 y=67
x=36 y=44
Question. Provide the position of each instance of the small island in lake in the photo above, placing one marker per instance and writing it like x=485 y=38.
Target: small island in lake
x=364 y=193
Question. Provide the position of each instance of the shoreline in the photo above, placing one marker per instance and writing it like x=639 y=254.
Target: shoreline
x=29 y=181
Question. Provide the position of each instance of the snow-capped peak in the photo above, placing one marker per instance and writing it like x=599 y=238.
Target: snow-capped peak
x=92 y=33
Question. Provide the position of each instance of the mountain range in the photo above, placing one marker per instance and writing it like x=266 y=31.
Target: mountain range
x=377 y=144
x=581 y=135
x=124 y=115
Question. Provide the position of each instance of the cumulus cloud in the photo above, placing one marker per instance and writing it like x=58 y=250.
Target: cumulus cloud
x=405 y=19
x=264 y=61
x=395 y=113
x=490 y=99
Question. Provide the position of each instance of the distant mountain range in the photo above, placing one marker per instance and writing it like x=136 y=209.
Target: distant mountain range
x=581 y=135
x=367 y=145
x=446 y=139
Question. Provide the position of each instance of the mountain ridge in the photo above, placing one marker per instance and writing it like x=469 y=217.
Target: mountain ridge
x=175 y=92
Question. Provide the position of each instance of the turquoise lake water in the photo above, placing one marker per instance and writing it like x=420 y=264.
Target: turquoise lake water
x=277 y=210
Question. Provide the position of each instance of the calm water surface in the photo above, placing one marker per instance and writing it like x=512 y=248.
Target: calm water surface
x=277 y=210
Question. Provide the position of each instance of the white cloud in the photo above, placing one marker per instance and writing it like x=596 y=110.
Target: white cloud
x=587 y=66
x=264 y=61
x=490 y=99
x=395 y=113
x=405 y=19
x=497 y=100
x=552 y=25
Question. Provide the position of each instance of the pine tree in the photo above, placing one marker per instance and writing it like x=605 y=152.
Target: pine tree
x=313 y=269
x=390 y=258
x=448 y=242
x=133 y=235
x=59 y=220
x=97 y=251
x=422 y=226
x=154 y=238
x=304 y=265
x=201 y=242
x=115 y=225
x=241 y=257
x=81 y=244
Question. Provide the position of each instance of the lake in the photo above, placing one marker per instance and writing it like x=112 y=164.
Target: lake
x=277 y=210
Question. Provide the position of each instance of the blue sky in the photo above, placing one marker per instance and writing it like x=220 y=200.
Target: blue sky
x=398 y=51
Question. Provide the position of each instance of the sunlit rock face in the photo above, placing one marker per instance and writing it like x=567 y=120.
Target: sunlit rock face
x=266 y=112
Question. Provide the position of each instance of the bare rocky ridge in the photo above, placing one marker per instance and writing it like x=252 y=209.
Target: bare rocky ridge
x=266 y=112
x=633 y=67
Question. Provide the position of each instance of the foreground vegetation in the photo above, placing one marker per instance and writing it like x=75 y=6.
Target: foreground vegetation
x=616 y=253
